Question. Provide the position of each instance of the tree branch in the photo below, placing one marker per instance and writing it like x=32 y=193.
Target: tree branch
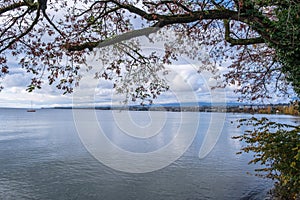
x=24 y=33
x=12 y=7
x=113 y=40
x=257 y=22
x=234 y=42
x=52 y=24
x=16 y=5
x=166 y=2
x=102 y=14
x=162 y=21
x=14 y=21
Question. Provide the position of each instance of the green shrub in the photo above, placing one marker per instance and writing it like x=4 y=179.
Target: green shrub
x=276 y=147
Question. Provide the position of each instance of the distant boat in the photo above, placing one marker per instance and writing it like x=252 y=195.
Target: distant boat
x=31 y=109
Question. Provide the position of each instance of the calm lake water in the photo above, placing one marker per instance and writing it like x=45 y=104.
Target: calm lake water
x=42 y=157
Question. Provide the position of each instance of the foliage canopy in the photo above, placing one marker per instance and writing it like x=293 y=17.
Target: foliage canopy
x=52 y=40
x=277 y=148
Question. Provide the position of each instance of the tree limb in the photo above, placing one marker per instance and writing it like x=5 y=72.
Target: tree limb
x=14 y=21
x=165 y=2
x=234 y=42
x=12 y=7
x=162 y=21
x=17 y=5
x=52 y=24
x=24 y=33
x=113 y=40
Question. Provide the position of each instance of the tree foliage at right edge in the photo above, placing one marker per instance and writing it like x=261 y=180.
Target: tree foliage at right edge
x=276 y=146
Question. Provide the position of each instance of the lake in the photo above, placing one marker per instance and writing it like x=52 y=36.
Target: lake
x=44 y=155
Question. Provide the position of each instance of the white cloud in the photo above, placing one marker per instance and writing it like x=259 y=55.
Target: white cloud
x=183 y=79
x=16 y=78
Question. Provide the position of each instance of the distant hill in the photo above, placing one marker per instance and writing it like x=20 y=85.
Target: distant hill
x=166 y=105
x=200 y=104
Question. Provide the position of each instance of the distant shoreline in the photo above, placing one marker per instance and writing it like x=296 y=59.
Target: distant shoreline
x=193 y=107
x=223 y=109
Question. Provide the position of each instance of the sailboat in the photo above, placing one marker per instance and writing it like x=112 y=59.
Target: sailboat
x=31 y=109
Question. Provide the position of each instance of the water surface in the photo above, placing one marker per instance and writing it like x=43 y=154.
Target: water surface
x=42 y=157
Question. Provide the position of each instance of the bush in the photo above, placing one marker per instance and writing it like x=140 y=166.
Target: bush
x=276 y=147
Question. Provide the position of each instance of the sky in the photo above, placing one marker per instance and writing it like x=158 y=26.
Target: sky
x=186 y=85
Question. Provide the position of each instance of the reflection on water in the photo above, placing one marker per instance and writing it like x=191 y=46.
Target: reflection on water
x=42 y=157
